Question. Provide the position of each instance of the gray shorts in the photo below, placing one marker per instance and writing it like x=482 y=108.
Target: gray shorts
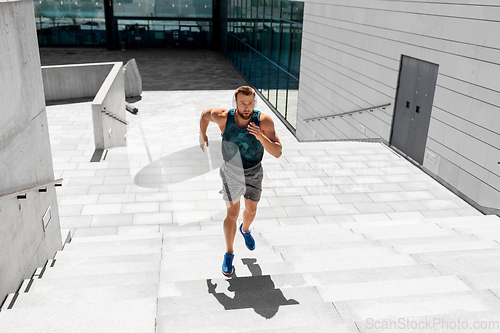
x=237 y=182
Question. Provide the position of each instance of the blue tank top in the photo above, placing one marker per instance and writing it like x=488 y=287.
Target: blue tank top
x=235 y=139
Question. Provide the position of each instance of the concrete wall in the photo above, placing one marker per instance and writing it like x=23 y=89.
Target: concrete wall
x=104 y=83
x=110 y=97
x=351 y=55
x=74 y=81
x=25 y=154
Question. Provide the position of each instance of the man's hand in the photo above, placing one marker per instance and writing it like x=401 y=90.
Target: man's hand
x=203 y=141
x=254 y=130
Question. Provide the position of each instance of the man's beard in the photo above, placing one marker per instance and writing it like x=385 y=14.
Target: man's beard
x=240 y=113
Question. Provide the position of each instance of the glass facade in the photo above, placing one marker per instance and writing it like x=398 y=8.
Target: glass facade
x=138 y=23
x=263 y=39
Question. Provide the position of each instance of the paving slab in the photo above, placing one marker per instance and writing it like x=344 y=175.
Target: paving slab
x=123 y=316
x=392 y=288
x=68 y=298
x=94 y=281
x=248 y=320
x=418 y=305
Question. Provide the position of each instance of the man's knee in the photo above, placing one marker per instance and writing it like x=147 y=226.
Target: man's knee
x=251 y=207
x=233 y=212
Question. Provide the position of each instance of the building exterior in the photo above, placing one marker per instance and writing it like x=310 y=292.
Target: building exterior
x=418 y=76
x=437 y=65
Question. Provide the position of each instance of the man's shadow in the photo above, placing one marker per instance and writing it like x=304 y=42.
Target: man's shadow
x=257 y=292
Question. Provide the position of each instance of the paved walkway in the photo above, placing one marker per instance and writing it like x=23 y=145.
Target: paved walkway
x=161 y=69
x=350 y=237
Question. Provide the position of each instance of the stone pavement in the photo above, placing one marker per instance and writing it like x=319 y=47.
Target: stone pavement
x=350 y=237
x=161 y=69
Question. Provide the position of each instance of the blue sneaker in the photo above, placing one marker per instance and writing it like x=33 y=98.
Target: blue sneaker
x=249 y=241
x=227 y=264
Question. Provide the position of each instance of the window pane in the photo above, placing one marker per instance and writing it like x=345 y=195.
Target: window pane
x=297 y=12
x=265 y=79
x=285 y=46
x=296 y=41
x=273 y=84
x=293 y=101
x=286 y=10
x=282 y=93
x=276 y=39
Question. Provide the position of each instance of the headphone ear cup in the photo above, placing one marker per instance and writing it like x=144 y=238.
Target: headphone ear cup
x=234 y=102
x=255 y=102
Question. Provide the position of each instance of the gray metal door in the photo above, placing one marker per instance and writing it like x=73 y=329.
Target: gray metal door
x=412 y=112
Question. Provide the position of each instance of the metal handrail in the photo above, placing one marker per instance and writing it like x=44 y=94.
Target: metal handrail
x=350 y=112
x=3 y=196
x=112 y=115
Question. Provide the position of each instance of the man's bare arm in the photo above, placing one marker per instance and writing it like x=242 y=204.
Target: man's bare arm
x=215 y=115
x=267 y=136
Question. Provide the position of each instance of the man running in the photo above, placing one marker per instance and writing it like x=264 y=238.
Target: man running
x=246 y=132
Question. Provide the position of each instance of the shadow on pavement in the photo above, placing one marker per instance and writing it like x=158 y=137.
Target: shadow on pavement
x=256 y=292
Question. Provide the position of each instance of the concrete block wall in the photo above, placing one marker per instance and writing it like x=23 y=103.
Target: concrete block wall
x=350 y=60
x=25 y=154
x=101 y=82
x=74 y=81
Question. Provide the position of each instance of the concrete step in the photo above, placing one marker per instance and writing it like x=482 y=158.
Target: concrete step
x=456 y=238
x=238 y=294
x=337 y=328
x=107 y=252
x=199 y=287
x=381 y=223
x=150 y=257
x=93 y=281
x=481 y=281
x=391 y=288
x=202 y=243
x=293 y=255
x=141 y=242
x=101 y=269
x=490 y=235
x=341 y=264
x=249 y=319
x=464 y=245
x=342 y=277
x=113 y=238
x=462 y=262
x=437 y=305
x=291 y=280
x=217 y=252
x=464 y=221
x=130 y=316
x=344 y=236
x=332 y=226
x=459 y=321
x=412 y=231
x=478 y=230
x=215 y=271
x=308 y=235
x=68 y=298
x=327 y=246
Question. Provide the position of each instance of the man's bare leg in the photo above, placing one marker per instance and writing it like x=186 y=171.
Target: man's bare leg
x=249 y=214
x=233 y=211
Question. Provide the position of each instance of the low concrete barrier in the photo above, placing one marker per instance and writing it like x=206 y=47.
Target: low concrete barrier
x=109 y=112
x=74 y=81
x=104 y=82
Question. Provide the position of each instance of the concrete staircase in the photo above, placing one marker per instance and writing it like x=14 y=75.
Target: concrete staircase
x=329 y=277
